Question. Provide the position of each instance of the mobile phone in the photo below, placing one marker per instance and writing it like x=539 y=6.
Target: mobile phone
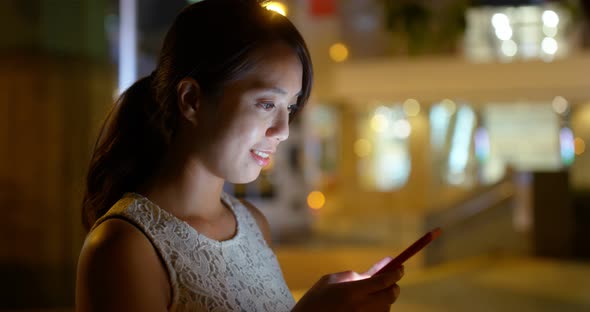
x=410 y=251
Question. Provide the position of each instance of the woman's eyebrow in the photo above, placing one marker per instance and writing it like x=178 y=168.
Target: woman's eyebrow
x=280 y=91
x=260 y=85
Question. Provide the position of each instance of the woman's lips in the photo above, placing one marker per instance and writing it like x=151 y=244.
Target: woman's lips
x=261 y=157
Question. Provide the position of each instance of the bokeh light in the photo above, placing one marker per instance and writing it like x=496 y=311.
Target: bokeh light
x=560 y=105
x=412 y=107
x=363 y=148
x=316 y=200
x=549 y=45
x=579 y=146
x=379 y=123
x=339 y=52
x=449 y=106
x=402 y=128
x=509 y=48
x=502 y=26
x=550 y=18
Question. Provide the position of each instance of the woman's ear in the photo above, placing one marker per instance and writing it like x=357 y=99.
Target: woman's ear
x=189 y=99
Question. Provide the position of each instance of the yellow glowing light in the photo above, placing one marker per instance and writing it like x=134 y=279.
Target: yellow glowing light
x=412 y=107
x=338 y=52
x=449 y=105
x=363 y=148
x=379 y=123
x=579 y=146
x=316 y=200
x=276 y=7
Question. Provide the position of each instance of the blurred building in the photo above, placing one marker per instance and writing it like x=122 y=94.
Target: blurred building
x=460 y=105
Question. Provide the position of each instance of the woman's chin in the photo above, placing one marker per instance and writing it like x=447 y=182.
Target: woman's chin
x=243 y=179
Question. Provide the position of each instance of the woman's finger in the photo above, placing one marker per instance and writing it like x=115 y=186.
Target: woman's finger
x=386 y=296
x=377 y=282
x=343 y=277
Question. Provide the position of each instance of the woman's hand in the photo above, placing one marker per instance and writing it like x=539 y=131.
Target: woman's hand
x=351 y=291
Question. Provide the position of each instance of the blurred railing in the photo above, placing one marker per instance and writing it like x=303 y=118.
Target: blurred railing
x=481 y=224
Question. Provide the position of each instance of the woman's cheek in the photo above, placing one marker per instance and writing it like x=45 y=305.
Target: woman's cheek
x=251 y=127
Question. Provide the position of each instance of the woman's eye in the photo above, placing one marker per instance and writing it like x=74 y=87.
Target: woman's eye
x=266 y=106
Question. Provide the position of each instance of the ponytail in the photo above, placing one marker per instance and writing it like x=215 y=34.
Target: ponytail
x=129 y=148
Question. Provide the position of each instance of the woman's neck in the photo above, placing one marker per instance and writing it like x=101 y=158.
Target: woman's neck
x=185 y=188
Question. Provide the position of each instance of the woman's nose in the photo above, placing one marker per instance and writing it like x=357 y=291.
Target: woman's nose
x=279 y=129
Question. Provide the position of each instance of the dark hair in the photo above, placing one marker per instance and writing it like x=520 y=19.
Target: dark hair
x=211 y=41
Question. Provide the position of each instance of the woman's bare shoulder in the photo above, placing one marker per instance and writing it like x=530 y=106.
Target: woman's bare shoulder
x=119 y=270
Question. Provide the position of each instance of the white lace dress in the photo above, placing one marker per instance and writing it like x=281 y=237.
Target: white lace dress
x=239 y=274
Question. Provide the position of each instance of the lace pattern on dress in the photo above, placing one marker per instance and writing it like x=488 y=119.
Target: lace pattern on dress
x=239 y=274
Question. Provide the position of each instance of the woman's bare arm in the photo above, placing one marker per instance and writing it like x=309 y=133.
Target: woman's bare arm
x=119 y=270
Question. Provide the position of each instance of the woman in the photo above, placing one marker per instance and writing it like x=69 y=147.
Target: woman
x=162 y=234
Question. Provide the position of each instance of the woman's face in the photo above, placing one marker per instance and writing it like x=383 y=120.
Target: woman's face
x=240 y=135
